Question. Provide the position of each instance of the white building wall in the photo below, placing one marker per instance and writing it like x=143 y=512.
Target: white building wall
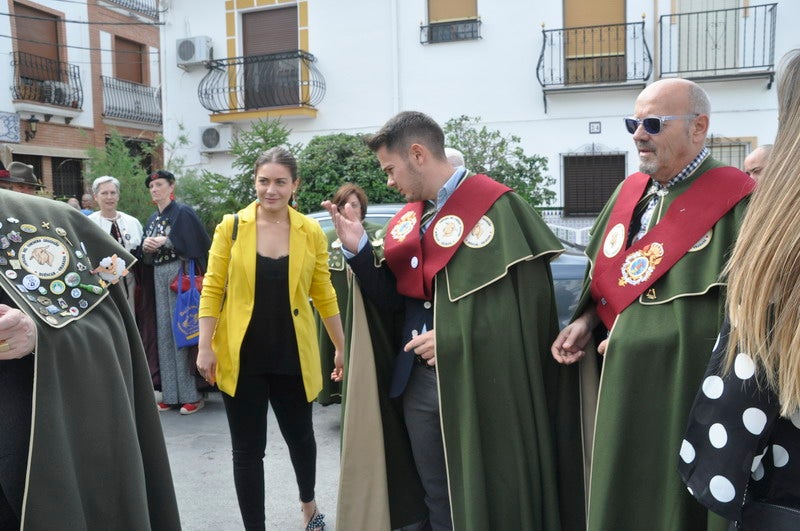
x=374 y=66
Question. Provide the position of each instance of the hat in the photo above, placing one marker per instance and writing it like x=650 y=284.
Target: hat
x=159 y=174
x=23 y=173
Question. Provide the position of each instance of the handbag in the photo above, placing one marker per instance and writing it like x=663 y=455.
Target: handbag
x=184 y=279
x=758 y=514
x=185 y=323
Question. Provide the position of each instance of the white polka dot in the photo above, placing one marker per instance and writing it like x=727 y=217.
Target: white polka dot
x=744 y=366
x=757 y=460
x=779 y=455
x=754 y=420
x=712 y=387
x=758 y=473
x=690 y=490
x=795 y=418
x=717 y=435
x=722 y=489
x=687 y=451
x=719 y=336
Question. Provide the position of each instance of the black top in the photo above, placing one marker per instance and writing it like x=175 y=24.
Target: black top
x=737 y=444
x=270 y=344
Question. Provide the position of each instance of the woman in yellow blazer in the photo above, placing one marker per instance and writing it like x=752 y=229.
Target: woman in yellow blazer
x=257 y=333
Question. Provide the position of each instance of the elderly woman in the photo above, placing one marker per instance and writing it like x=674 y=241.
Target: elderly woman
x=173 y=235
x=127 y=230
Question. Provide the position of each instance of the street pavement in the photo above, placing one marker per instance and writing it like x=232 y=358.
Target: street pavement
x=199 y=448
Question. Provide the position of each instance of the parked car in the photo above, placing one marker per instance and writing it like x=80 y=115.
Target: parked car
x=568 y=269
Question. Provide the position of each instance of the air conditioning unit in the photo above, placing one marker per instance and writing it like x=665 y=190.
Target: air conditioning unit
x=193 y=51
x=216 y=138
x=56 y=93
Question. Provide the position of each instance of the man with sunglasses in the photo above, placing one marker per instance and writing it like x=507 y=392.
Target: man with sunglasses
x=654 y=298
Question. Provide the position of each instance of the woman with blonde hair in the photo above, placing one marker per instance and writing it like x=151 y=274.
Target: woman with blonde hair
x=741 y=452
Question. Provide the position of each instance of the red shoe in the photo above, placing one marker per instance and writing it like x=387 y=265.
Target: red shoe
x=163 y=407
x=188 y=409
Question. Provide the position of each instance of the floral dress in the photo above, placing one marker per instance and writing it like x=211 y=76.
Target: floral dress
x=737 y=446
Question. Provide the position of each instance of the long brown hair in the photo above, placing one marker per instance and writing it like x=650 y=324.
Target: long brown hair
x=764 y=269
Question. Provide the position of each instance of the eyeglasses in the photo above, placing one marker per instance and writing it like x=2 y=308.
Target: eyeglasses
x=653 y=124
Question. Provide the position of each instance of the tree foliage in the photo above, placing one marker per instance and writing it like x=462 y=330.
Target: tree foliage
x=116 y=159
x=501 y=157
x=329 y=161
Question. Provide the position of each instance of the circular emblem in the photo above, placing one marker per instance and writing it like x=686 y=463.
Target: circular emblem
x=704 y=240
x=76 y=293
x=83 y=304
x=57 y=287
x=11 y=274
x=481 y=234
x=30 y=281
x=448 y=230
x=614 y=240
x=404 y=226
x=72 y=279
x=30 y=229
x=639 y=265
x=73 y=311
x=45 y=257
x=78 y=253
x=414 y=262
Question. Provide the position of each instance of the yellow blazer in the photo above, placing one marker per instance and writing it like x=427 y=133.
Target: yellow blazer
x=235 y=263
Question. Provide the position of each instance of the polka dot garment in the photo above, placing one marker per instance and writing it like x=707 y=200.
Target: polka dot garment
x=736 y=442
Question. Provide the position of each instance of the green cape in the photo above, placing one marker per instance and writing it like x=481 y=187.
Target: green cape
x=510 y=415
x=657 y=354
x=97 y=453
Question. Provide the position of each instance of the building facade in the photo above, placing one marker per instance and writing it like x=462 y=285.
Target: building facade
x=561 y=75
x=77 y=71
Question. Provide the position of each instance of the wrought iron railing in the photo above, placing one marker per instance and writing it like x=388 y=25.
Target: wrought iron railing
x=723 y=42
x=454 y=30
x=148 y=8
x=589 y=55
x=288 y=79
x=131 y=101
x=46 y=81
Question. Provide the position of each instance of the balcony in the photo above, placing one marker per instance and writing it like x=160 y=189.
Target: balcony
x=41 y=80
x=287 y=80
x=127 y=100
x=455 y=30
x=585 y=57
x=725 y=43
x=147 y=8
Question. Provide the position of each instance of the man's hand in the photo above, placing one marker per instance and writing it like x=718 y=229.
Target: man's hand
x=348 y=226
x=338 y=363
x=572 y=340
x=424 y=345
x=17 y=333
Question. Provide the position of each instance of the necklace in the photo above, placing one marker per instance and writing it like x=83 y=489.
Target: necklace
x=275 y=222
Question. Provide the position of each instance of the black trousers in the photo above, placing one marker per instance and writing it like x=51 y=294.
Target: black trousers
x=247 y=420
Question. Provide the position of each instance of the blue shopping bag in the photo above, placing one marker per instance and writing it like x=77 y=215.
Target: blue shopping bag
x=185 y=324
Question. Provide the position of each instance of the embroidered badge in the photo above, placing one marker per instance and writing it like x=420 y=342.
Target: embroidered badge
x=481 y=234
x=704 y=240
x=614 y=240
x=45 y=257
x=639 y=265
x=448 y=230
x=404 y=226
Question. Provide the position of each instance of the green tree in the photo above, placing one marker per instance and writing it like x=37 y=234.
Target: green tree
x=115 y=159
x=328 y=161
x=501 y=157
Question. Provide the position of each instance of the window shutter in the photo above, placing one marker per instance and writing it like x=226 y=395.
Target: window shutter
x=443 y=10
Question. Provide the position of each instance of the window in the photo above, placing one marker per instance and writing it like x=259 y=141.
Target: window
x=594 y=41
x=451 y=20
x=67 y=177
x=44 y=27
x=589 y=180
x=271 y=76
x=730 y=151
x=129 y=60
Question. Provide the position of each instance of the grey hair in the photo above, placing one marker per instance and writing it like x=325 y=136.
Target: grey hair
x=454 y=156
x=103 y=180
x=698 y=100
